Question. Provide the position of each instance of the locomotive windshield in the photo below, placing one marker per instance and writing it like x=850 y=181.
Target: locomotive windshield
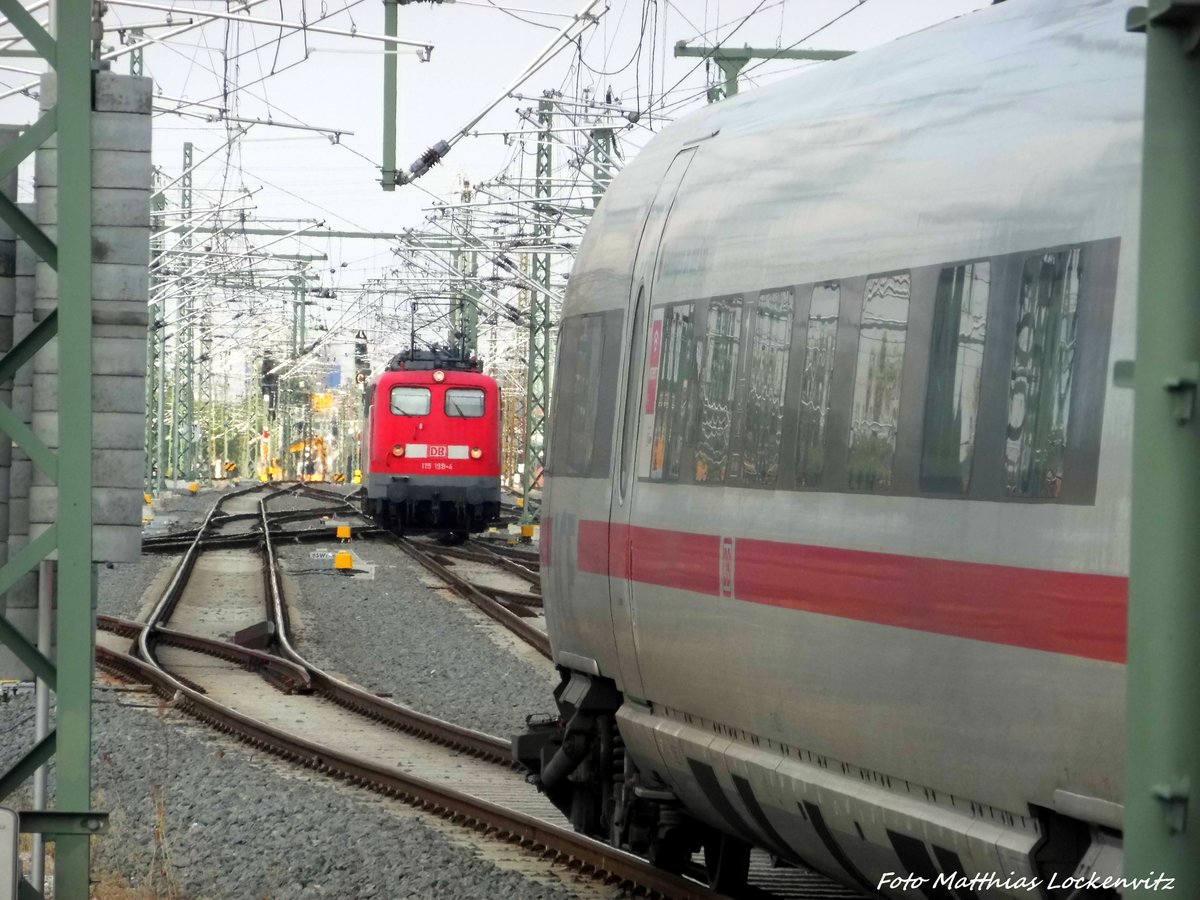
x=410 y=401
x=466 y=403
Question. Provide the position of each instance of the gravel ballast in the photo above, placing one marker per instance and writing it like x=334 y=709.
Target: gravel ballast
x=196 y=815
x=397 y=634
x=122 y=585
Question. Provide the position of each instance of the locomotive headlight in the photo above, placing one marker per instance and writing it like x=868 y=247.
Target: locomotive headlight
x=476 y=453
x=439 y=376
x=398 y=450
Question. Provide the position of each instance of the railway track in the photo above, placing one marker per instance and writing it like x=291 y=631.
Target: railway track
x=211 y=678
x=510 y=606
x=464 y=776
x=512 y=609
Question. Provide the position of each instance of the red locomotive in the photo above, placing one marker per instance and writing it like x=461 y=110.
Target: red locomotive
x=431 y=448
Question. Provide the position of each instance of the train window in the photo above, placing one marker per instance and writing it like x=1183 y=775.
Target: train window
x=769 y=352
x=464 y=403
x=410 y=401
x=633 y=391
x=816 y=382
x=955 y=369
x=718 y=380
x=875 y=411
x=673 y=393
x=1040 y=386
x=580 y=376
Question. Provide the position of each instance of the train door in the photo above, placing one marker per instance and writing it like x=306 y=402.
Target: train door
x=640 y=340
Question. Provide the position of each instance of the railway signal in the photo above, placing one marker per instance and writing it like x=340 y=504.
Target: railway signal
x=362 y=363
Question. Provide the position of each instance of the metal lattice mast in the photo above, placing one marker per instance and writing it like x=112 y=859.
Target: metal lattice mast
x=156 y=352
x=70 y=467
x=537 y=392
x=202 y=371
x=183 y=418
x=602 y=146
x=137 y=64
x=464 y=315
x=1162 y=824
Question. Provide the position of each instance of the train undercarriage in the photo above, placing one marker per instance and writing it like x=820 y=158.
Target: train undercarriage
x=578 y=759
x=454 y=507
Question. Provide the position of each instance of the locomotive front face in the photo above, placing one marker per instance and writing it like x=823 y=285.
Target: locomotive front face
x=433 y=450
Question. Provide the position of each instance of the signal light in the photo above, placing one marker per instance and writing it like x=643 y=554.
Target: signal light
x=398 y=450
x=476 y=453
x=439 y=376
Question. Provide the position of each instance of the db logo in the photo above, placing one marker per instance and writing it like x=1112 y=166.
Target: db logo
x=436 y=450
x=727 y=567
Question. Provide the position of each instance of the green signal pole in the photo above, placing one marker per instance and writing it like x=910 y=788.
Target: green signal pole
x=76 y=572
x=1162 y=830
x=732 y=60
x=391 y=27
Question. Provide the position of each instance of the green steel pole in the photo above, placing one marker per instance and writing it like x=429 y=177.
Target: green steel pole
x=391 y=27
x=537 y=388
x=76 y=574
x=1162 y=832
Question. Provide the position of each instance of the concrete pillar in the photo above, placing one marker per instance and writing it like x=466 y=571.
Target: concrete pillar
x=121 y=178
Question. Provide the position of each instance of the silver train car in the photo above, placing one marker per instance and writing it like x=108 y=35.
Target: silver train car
x=835 y=534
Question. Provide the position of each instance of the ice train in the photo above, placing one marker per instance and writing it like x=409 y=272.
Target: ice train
x=835 y=532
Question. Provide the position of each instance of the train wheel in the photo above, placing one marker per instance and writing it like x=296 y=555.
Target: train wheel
x=452 y=538
x=672 y=852
x=727 y=861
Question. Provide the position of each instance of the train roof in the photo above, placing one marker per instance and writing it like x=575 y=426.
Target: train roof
x=1013 y=127
x=453 y=378
x=446 y=359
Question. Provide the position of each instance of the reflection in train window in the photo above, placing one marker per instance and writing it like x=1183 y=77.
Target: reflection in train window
x=875 y=412
x=410 y=401
x=817 y=382
x=955 y=370
x=465 y=403
x=676 y=375
x=769 y=351
x=1040 y=387
x=718 y=379
x=581 y=352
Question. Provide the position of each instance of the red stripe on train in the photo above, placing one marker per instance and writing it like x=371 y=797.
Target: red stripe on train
x=1060 y=612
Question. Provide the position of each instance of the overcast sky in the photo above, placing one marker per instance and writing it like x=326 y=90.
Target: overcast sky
x=336 y=82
